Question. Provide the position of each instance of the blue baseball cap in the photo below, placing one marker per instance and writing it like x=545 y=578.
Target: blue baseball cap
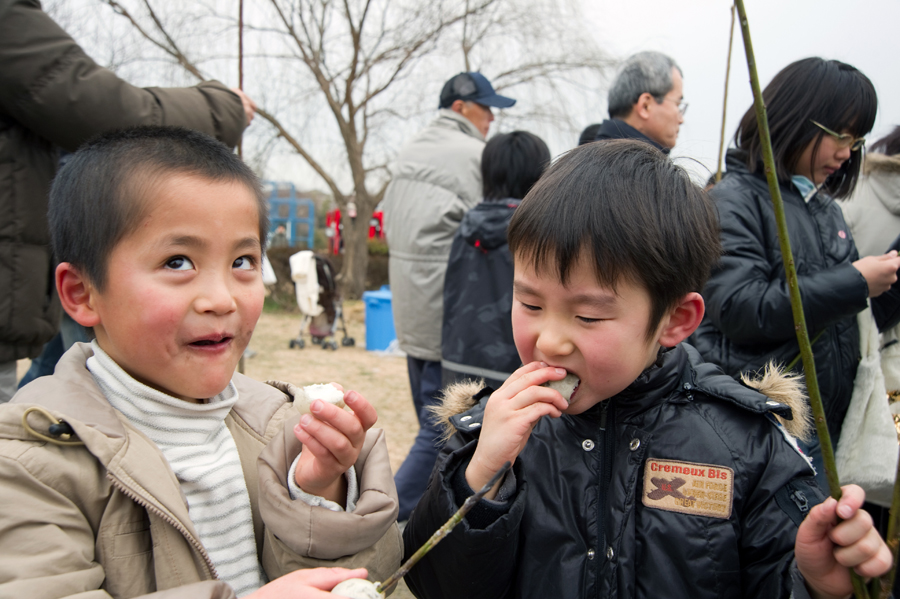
x=472 y=87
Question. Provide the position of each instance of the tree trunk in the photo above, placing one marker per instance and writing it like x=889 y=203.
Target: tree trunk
x=352 y=278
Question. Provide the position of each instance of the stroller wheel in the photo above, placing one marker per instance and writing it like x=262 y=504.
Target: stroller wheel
x=348 y=341
x=298 y=343
x=329 y=345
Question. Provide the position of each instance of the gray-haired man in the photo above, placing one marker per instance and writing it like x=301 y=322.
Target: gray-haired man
x=646 y=101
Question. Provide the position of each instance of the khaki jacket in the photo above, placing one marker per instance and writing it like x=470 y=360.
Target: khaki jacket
x=53 y=95
x=108 y=518
x=434 y=182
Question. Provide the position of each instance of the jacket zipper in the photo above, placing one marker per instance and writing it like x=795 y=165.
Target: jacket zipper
x=606 y=458
x=211 y=569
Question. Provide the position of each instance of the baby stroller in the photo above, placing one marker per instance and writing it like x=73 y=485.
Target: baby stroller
x=318 y=300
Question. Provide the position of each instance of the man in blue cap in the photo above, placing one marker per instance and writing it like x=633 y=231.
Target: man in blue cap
x=435 y=180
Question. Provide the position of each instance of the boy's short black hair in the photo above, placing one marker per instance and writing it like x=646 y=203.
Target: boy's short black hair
x=100 y=195
x=624 y=204
x=511 y=163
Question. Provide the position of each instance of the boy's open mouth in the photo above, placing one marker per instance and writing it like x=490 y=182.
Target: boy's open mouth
x=211 y=341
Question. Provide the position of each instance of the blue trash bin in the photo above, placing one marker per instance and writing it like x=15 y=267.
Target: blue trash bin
x=379 y=319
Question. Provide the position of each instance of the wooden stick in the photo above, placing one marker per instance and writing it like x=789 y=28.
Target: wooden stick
x=240 y=147
x=725 y=100
x=809 y=366
x=442 y=532
x=886 y=582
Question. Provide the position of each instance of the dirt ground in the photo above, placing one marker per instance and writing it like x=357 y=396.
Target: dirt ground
x=379 y=378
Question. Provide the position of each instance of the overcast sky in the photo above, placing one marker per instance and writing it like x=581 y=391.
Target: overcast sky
x=695 y=33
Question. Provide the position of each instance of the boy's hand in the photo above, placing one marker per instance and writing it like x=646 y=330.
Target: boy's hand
x=825 y=549
x=313 y=583
x=510 y=415
x=332 y=439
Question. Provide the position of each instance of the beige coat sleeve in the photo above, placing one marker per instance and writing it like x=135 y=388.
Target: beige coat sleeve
x=298 y=535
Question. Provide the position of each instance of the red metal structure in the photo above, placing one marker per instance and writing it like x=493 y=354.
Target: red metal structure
x=334 y=229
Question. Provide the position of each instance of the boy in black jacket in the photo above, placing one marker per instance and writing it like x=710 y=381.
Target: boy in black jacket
x=658 y=476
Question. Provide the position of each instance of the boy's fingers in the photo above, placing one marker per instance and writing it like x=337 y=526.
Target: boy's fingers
x=364 y=410
x=334 y=441
x=852 y=498
x=818 y=523
x=313 y=445
x=347 y=423
x=868 y=555
x=533 y=377
x=536 y=395
x=327 y=578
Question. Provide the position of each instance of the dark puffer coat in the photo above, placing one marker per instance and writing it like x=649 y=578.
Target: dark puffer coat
x=619 y=129
x=477 y=339
x=600 y=508
x=748 y=309
x=52 y=95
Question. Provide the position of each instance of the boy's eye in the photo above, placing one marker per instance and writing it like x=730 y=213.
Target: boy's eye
x=244 y=263
x=179 y=263
x=530 y=307
x=587 y=320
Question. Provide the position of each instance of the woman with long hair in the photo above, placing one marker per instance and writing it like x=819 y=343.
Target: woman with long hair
x=818 y=110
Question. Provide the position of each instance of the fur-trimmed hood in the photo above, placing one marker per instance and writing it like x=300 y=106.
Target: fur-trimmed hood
x=780 y=390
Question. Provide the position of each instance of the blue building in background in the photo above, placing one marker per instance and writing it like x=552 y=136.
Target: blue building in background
x=297 y=215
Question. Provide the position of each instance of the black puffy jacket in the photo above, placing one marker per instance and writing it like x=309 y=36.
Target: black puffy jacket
x=586 y=521
x=477 y=339
x=748 y=309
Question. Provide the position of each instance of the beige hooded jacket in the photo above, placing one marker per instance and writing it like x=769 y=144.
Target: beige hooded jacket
x=873 y=211
x=106 y=517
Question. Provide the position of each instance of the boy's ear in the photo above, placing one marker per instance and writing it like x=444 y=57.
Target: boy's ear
x=76 y=292
x=682 y=320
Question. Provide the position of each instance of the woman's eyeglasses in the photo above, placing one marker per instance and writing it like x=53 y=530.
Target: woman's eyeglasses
x=844 y=140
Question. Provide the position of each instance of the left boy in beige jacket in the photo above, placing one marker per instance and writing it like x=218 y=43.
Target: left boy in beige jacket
x=144 y=466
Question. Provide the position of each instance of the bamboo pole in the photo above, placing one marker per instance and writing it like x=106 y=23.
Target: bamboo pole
x=809 y=366
x=240 y=147
x=886 y=582
x=725 y=100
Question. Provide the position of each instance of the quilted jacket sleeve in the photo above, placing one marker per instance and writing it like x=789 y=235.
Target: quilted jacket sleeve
x=747 y=296
x=51 y=87
x=472 y=563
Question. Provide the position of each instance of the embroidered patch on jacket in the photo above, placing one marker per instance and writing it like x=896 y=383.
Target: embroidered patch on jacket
x=689 y=488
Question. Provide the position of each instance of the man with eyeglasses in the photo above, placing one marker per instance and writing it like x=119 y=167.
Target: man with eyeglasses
x=435 y=180
x=646 y=101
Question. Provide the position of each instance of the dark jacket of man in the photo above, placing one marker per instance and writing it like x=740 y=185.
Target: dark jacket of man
x=748 y=318
x=52 y=95
x=477 y=340
x=618 y=129
x=681 y=486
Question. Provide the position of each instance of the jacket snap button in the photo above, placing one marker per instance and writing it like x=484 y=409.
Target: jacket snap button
x=635 y=443
x=475 y=425
x=587 y=445
x=610 y=553
x=590 y=553
x=464 y=418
